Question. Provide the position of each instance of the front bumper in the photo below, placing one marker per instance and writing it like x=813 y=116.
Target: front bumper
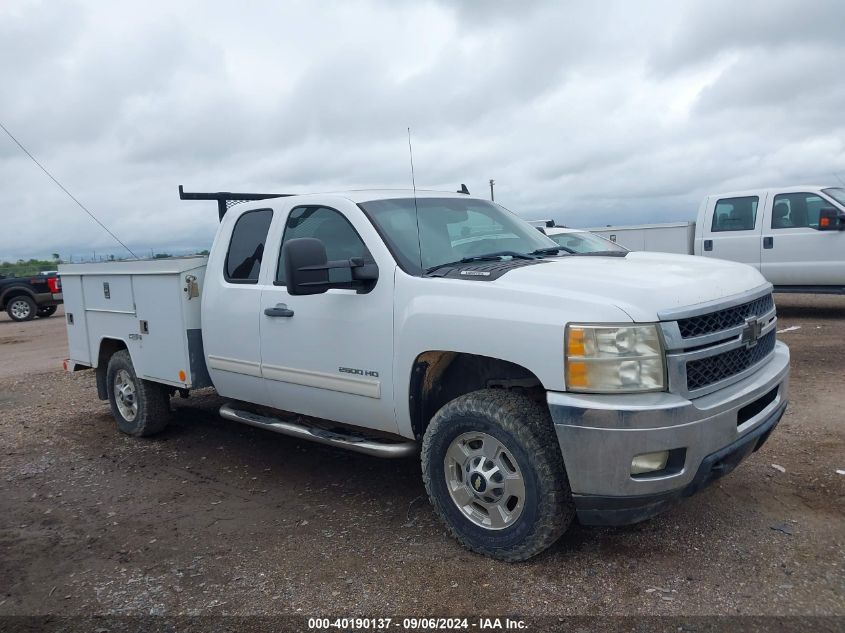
x=600 y=435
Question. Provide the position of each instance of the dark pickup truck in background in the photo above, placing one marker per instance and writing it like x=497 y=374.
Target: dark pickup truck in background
x=24 y=298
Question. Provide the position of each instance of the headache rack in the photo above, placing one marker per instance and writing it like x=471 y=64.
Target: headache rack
x=227 y=199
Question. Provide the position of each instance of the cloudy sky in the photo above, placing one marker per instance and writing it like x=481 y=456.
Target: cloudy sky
x=588 y=112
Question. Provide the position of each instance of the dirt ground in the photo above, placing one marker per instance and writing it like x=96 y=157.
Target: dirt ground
x=32 y=347
x=216 y=518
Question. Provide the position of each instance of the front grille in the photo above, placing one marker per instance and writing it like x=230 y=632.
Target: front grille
x=706 y=371
x=725 y=319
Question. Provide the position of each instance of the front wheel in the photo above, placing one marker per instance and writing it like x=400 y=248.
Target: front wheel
x=21 y=308
x=140 y=407
x=494 y=473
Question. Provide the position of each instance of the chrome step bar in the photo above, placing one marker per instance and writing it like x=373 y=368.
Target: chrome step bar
x=349 y=441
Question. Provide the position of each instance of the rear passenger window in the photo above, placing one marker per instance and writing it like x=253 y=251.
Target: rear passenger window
x=794 y=210
x=243 y=261
x=331 y=228
x=735 y=214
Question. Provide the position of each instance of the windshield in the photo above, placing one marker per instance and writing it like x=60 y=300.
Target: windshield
x=837 y=193
x=585 y=242
x=450 y=229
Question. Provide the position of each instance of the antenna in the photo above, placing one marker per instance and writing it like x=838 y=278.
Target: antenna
x=416 y=208
x=69 y=194
x=411 y=153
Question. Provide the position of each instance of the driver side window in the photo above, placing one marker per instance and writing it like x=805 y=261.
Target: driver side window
x=330 y=227
x=796 y=210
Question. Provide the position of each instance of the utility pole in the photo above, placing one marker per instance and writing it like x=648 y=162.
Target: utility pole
x=492 y=182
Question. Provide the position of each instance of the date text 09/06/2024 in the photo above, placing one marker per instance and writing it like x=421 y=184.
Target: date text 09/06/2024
x=410 y=624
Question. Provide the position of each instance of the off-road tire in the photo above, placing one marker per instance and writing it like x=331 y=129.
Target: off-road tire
x=21 y=308
x=525 y=428
x=47 y=311
x=153 y=399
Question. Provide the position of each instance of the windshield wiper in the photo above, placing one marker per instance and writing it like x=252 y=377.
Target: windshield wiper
x=486 y=257
x=552 y=250
x=605 y=253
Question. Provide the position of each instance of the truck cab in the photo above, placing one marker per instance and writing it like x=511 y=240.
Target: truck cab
x=534 y=383
x=793 y=235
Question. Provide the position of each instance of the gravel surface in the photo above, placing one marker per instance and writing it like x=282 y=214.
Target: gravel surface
x=216 y=518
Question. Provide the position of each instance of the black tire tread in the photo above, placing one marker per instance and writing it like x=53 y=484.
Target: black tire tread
x=531 y=423
x=153 y=399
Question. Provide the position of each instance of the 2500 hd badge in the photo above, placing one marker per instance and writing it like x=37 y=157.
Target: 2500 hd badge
x=358 y=372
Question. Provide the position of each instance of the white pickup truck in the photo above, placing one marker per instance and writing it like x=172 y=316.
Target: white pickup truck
x=795 y=236
x=536 y=384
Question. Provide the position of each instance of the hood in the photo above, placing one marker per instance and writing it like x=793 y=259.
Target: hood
x=641 y=284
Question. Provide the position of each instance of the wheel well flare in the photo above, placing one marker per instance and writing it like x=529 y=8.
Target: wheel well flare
x=108 y=346
x=437 y=377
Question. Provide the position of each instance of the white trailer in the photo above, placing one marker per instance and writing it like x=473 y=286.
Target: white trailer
x=675 y=237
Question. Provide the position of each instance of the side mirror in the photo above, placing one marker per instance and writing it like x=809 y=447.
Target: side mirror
x=307 y=268
x=831 y=219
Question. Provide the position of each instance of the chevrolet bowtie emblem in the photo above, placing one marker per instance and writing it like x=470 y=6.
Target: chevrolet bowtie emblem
x=751 y=332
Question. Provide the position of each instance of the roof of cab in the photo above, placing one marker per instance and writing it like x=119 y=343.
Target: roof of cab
x=772 y=190
x=369 y=195
x=355 y=195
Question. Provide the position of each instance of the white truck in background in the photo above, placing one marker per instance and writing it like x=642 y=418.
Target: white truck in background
x=535 y=383
x=795 y=236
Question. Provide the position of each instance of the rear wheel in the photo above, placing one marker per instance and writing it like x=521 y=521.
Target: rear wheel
x=494 y=473
x=140 y=407
x=21 y=308
x=47 y=311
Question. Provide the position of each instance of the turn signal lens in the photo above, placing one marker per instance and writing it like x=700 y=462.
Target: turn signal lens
x=614 y=359
x=575 y=343
x=576 y=374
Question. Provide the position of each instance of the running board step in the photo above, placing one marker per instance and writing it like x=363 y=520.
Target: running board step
x=349 y=441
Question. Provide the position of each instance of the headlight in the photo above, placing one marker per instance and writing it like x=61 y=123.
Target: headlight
x=617 y=359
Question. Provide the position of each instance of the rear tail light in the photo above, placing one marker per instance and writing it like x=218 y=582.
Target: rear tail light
x=55 y=284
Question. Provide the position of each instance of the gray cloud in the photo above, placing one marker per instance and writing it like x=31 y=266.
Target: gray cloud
x=591 y=113
x=711 y=28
